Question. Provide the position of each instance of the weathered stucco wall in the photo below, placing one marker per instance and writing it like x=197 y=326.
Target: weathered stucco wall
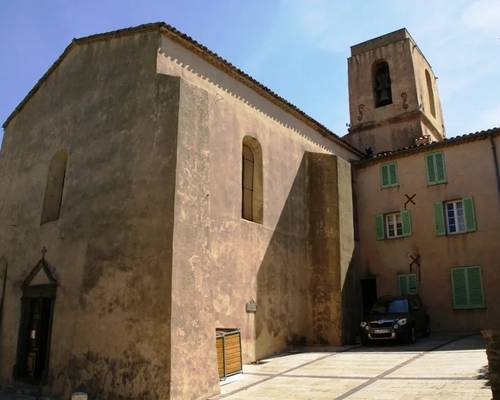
x=222 y=261
x=111 y=247
x=420 y=66
x=150 y=251
x=470 y=171
x=330 y=245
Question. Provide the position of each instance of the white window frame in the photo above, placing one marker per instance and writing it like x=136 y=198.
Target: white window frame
x=395 y=222
x=458 y=217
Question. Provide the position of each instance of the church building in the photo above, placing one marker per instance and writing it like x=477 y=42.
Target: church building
x=155 y=195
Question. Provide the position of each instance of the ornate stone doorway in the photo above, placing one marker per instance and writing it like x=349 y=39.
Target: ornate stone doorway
x=37 y=309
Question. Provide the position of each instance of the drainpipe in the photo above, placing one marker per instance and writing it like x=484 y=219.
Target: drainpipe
x=495 y=158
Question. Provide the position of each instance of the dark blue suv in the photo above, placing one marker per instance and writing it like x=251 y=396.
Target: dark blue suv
x=395 y=317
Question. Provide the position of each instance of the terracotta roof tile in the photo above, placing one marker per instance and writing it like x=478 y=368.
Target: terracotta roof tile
x=469 y=137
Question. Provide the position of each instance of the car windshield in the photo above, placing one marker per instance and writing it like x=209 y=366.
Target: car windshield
x=390 y=306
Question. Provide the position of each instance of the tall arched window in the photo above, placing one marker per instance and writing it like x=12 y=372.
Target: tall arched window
x=54 y=187
x=251 y=182
x=382 y=84
x=430 y=91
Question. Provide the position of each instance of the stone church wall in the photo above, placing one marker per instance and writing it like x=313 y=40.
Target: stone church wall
x=221 y=262
x=111 y=248
x=150 y=252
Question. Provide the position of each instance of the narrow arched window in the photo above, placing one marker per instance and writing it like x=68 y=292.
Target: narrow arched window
x=54 y=188
x=382 y=84
x=251 y=182
x=430 y=91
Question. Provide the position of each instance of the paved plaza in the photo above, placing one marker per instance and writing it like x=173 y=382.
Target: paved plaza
x=443 y=366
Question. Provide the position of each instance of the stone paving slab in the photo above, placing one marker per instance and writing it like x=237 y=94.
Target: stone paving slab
x=387 y=389
x=462 y=359
x=278 y=365
x=297 y=389
x=356 y=364
x=444 y=366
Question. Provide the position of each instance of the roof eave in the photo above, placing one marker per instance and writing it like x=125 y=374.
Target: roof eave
x=207 y=54
x=455 y=141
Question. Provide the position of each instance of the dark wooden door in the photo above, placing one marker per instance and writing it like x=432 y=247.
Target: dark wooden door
x=369 y=292
x=38 y=336
x=34 y=338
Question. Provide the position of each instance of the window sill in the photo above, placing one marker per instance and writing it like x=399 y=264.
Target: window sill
x=48 y=222
x=383 y=105
x=251 y=222
x=436 y=183
x=456 y=233
x=395 y=237
x=396 y=185
x=448 y=234
x=477 y=307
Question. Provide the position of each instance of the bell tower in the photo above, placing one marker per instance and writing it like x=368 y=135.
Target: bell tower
x=393 y=96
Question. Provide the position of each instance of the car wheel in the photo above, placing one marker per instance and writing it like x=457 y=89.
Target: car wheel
x=364 y=340
x=411 y=338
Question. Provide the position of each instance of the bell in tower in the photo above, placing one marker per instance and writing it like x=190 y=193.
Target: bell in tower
x=393 y=96
x=382 y=81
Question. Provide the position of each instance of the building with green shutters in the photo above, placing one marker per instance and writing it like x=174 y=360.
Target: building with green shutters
x=427 y=215
x=436 y=232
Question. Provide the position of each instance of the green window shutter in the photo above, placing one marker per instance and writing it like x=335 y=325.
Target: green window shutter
x=459 y=287
x=384 y=174
x=412 y=283
x=407 y=284
x=393 y=177
x=403 y=284
x=379 y=226
x=475 y=286
x=406 y=221
x=470 y=215
x=440 y=173
x=439 y=219
x=388 y=174
x=431 y=173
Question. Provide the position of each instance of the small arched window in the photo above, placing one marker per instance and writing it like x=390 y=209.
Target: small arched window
x=54 y=187
x=430 y=91
x=382 y=84
x=251 y=182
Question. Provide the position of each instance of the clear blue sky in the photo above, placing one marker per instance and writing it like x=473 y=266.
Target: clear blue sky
x=298 y=48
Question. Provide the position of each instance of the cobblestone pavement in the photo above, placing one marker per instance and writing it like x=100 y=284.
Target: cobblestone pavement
x=444 y=366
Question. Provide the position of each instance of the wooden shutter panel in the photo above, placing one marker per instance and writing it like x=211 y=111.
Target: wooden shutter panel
x=431 y=173
x=412 y=284
x=439 y=219
x=384 y=171
x=403 y=284
x=379 y=226
x=406 y=221
x=475 y=286
x=470 y=215
x=393 y=177
x=440 y=174
x=459 y=285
